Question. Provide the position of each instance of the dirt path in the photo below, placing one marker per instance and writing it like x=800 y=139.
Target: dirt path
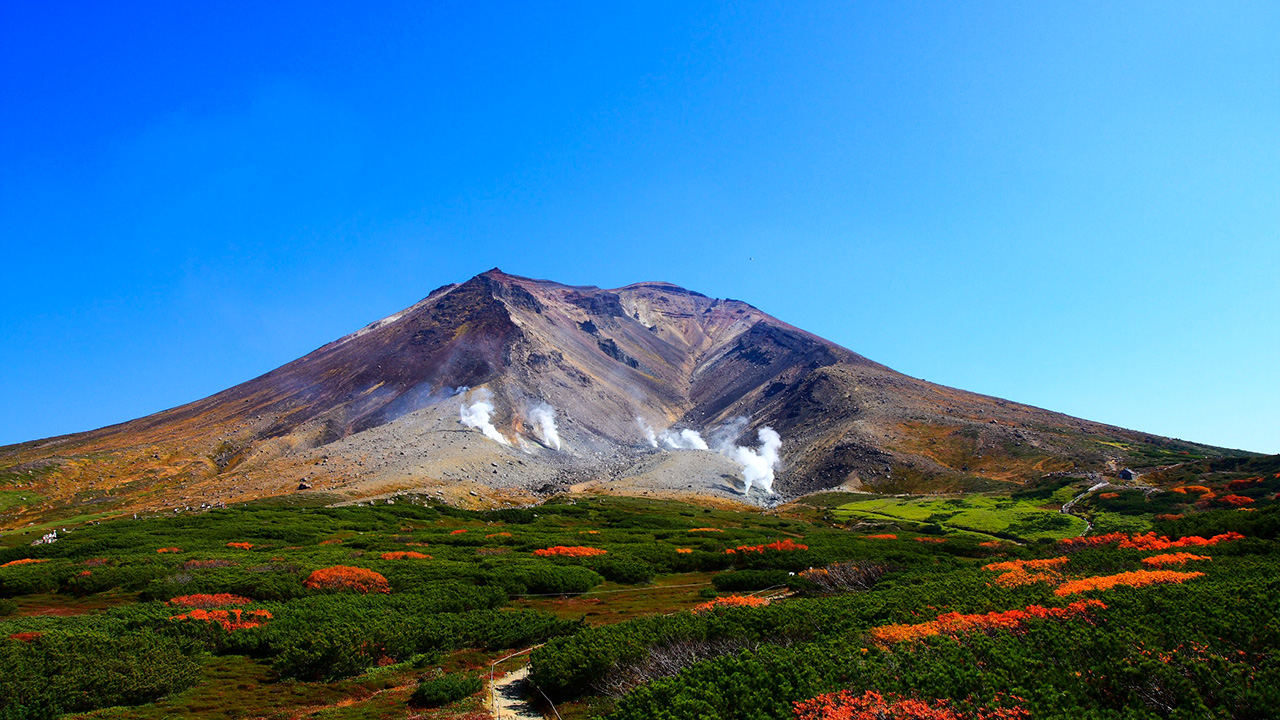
x=511 y=695
x=1066 y=509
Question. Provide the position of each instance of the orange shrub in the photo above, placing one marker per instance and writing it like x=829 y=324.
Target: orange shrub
x=240 y=545
x=405 y=555
x=588 y=532
x=169 y=550
x=731 y=601
x=705 y=530
x=201 y=600
x=1015 y=573
x=26 y=636
x=684 y=551
x=1136 y=578
x=930 y=540
x=334 y=541
x=1149 y=541
x=1108 y=495
x=992 y=543
x=23 y=561
x=871 y=705
x=784 y=545
x=1180 y=558
x=230 y=620
x=1236 y=500
x=1169 y=517
x=344 y=577
x=497 y=534
x=882 y=536
x=1242 y=484
x=958 y=624
x=416 y=544
x=569 y=551
x=458 y=532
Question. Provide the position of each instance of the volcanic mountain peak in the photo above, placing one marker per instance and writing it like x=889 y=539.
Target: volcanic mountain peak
x=561 y=385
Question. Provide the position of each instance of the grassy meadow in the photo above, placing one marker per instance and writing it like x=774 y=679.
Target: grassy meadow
x=628 y=608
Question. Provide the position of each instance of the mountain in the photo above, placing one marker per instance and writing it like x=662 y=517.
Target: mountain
x=378 y=411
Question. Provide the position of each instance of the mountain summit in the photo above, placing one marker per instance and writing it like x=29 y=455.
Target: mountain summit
x=503 y=387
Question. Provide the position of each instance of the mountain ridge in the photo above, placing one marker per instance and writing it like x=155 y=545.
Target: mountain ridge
x=378 y=410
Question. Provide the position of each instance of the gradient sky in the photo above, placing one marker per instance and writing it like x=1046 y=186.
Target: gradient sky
x=1073 y=205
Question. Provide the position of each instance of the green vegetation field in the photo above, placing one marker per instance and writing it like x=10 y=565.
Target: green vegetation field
x=634 y=609
x=995 y=516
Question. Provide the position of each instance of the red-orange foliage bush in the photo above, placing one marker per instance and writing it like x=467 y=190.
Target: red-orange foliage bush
x=26 y=636
x=1014 y=573
x=405 y=555
x=332 y=541
x=705 y=530
x=240 y=545
x=169 y=550
x=569 y=551
x=684 y=551
x=497 y=534
x=344 y=577
x=882 y=536
x=458 y=532
x=1172 y=559
x=933 y=540
x=871 y=705
x=1136 y=578
x=1236 y=500
x=1149 y=541
x=201 y=600
x=731 y=601
x=1242 y=484
x=784 y=545
x=230 y=620
x=23 y=561
x=958 y=623
x=1108 y=495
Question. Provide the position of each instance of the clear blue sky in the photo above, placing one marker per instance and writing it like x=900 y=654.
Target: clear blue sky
x=1074 y=205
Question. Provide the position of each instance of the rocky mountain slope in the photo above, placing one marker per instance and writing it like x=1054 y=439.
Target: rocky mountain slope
x=575 y=387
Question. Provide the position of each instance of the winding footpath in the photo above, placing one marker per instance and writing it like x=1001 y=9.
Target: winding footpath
x=1066 y=509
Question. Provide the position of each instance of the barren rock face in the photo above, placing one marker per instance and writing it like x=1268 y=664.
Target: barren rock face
x=588 y=370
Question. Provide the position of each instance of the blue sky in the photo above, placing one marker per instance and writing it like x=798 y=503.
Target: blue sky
x=1074 y=205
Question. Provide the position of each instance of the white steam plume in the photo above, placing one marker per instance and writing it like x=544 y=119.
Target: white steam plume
x=544 y=419
x=478 y=414
x=721 y=439
x=686 y=439
x=649 y=435
x=758 y=465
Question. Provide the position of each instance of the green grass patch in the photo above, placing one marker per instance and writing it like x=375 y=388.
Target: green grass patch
x=989 y=515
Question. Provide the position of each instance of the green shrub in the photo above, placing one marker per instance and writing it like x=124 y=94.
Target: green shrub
x=624 y=569
x=437 y=691
x=59 y=673
x=543 y=578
